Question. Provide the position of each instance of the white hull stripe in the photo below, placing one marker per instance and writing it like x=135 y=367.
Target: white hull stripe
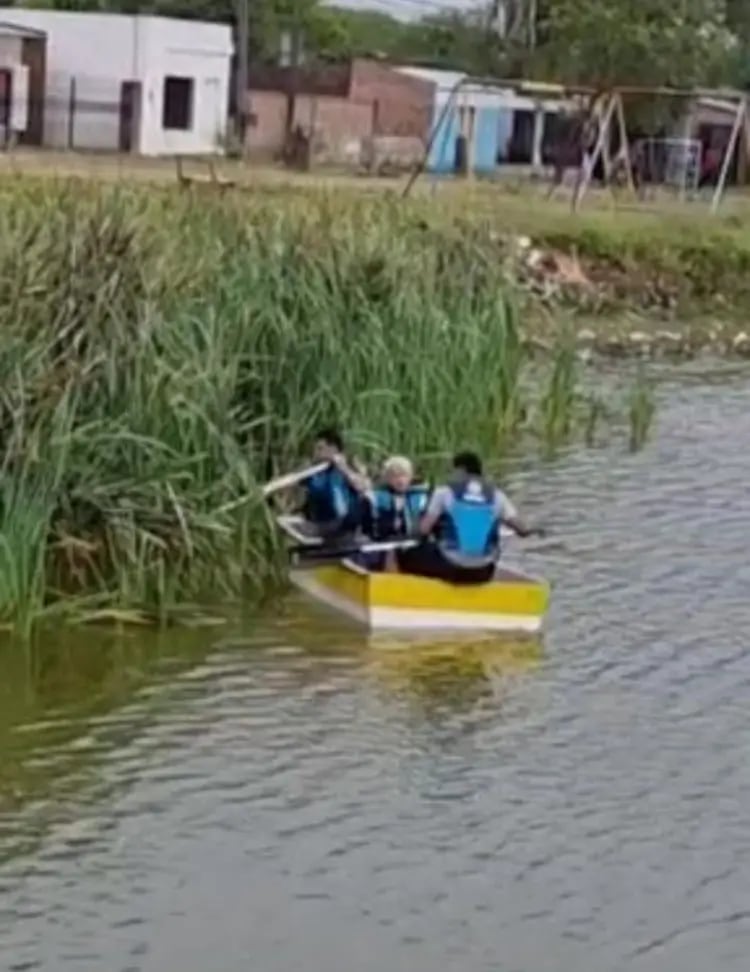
x=452 y=620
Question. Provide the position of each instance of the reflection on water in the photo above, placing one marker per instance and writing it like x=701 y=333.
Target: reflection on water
x=452 y=677
x=290 y=795
x=68 y=705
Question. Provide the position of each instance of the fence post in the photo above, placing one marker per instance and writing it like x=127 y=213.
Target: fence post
x=72 y=114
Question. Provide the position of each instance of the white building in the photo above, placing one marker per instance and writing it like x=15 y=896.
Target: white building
x=150 y=85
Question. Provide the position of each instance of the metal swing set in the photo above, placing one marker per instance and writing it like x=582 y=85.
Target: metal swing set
x=679 y=159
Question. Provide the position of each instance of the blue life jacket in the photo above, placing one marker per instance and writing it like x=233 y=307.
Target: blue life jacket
x=396 y=514
x=471 y=527
x=330 y=498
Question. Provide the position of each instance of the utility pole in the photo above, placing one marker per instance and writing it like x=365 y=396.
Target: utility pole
x=497 y=21
x=243 y=43
x=532 y=25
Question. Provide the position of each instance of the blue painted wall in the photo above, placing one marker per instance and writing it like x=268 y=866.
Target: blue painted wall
x=492 y=130
x=485 y=140
x=442 y=157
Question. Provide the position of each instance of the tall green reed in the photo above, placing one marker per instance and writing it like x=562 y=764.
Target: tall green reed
x=162 y=355
x=558 y=404
x=642 y=407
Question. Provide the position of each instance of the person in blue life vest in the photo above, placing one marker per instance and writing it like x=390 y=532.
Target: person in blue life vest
x=461 y=527
x=394 y=508
x=334 y=497
x=397 y=503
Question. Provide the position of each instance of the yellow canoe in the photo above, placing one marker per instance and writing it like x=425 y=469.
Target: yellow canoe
x=512 y=602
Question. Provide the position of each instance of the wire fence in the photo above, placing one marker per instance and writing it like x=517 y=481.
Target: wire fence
x=82 y=112
x=73 y=113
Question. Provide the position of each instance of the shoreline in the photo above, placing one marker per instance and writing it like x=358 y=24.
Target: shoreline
x=656 y=310
x=626 y=288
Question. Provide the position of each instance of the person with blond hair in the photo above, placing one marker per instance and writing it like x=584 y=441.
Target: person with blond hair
x=396 y=504
x=394 y=508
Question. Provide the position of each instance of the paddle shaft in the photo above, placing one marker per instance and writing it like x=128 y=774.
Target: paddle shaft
x=320 y=552
x=338 y=552
x=293 y=478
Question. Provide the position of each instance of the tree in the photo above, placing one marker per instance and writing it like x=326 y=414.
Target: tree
x=268 y=18
x=595 y=42
x=738 y=19
x=636 y=42
x=453 y=39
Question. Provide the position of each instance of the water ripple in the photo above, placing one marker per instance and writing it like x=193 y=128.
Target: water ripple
x=295 y=799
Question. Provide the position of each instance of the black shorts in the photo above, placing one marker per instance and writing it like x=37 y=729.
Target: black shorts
x=427 y=560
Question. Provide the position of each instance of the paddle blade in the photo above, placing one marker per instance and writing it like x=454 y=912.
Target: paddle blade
x=291 y=479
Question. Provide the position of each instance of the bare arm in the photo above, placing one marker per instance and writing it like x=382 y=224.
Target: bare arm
x=355 y=475
x=432 y=514
x=511 y=518
x=518 y=526
x=522 y=528
x=428 y=523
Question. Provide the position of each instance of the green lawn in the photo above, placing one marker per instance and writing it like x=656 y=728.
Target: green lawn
x=511 y=204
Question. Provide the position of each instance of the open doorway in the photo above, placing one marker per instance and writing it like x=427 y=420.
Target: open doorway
x=714 y=139
x=521 y=144
x=6 y=99
x=130 y=115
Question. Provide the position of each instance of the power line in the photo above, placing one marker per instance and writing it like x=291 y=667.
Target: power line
x=388 y=6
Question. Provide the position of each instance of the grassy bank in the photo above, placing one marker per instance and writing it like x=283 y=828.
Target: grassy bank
x=673 y=265
x=670 y=270
x=162 y=354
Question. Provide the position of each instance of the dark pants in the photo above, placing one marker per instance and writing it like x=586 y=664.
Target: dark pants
x=427 y=560
x=373 y=561
x=336 y=527
x=338 y=533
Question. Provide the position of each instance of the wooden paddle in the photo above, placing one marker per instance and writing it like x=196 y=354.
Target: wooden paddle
x=291 y=479
x=337 y=553
x=316 y=553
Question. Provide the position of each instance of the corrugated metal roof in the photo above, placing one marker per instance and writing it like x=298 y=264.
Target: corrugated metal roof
x=17 y=30
x=442 y=79
x=717 y=104
x=478 y=92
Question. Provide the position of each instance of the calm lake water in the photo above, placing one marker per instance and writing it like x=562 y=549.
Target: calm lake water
x=286 y=797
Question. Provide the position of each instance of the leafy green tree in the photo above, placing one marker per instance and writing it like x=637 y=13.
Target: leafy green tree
x=738 y=19
x=268 y=18
x=596 y=42
x=451 y=39
x=636 y=42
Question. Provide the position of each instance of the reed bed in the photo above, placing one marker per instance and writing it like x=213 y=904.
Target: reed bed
x=163 y=353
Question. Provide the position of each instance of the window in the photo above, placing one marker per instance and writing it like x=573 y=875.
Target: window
x=178 y=103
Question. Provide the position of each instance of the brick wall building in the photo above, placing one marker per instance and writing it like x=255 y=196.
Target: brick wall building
x=337 y=106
